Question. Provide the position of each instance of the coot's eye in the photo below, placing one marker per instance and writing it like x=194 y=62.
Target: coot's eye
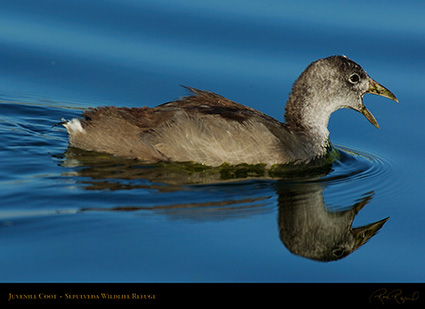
x=338 y=252
x=354 y=78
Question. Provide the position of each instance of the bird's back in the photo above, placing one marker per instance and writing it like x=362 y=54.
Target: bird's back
x=204 y=127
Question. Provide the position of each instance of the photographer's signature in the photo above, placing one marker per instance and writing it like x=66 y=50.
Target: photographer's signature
x=384 y=296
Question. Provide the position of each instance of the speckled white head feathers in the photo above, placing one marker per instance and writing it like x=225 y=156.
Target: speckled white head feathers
x=327 y=85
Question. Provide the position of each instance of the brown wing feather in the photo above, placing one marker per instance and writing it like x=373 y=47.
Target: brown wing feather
x=203 y=127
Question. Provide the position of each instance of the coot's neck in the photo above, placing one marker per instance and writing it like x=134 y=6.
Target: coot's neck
x=305 y=117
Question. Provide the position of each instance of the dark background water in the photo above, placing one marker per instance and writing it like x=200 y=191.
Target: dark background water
x=68 y=216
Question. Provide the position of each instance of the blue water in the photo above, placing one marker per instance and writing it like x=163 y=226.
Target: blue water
x=71 y=216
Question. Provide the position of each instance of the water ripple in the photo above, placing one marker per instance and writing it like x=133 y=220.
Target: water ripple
x=360 y=171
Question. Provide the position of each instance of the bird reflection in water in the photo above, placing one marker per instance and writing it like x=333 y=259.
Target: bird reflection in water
x=309 y=229
x=307 y=226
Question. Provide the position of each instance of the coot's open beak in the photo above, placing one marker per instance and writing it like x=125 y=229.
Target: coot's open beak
x=378 y=89
x=364 y=233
